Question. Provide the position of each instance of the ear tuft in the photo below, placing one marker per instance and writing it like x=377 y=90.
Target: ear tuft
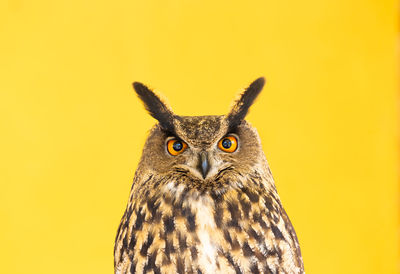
x=241 y=107
x=155 y=106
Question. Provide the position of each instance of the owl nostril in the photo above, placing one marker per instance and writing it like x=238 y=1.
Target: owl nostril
x=203 y=165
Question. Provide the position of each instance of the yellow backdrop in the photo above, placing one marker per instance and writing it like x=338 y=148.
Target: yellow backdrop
x=72 y=128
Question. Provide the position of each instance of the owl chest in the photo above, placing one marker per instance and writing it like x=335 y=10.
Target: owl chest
x=196 y=236
x=189 y=241
x=205 y=238
x=182 y=231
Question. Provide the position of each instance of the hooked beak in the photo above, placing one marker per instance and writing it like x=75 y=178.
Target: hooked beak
x=203 y=165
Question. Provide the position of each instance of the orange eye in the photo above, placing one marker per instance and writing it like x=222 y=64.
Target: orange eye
x=176 y=147
x=228 y=144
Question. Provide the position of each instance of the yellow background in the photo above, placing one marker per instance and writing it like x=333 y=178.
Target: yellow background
x=72 y=128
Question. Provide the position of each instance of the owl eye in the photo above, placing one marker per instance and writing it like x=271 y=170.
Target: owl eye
x=228 y=144
x=176 y=147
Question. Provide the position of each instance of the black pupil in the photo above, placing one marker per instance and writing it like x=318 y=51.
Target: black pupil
x=177 y=146
x=226 y=143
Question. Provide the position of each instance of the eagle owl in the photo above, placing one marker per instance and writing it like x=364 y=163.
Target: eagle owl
x=203 y=199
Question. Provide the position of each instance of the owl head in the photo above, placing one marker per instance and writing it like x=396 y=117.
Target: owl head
x=204 y=150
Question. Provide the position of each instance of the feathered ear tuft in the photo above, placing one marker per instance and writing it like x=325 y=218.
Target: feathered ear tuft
x=155 y=106
x=241 y=107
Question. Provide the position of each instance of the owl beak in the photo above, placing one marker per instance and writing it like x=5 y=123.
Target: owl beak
x=203 y=165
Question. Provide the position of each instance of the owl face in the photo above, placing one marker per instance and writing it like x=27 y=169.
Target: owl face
x=203 y=148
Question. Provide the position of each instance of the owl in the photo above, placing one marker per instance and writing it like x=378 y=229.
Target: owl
x=203 y=199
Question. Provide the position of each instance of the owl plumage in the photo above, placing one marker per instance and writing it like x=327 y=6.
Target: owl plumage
x=198 y=206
